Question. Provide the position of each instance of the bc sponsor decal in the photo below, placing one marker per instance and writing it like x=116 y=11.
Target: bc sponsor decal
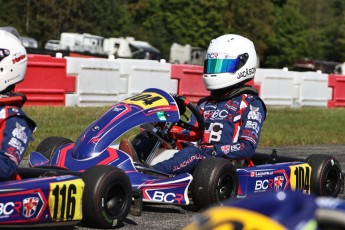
x=232 y=148
x=9 y=208
x=268 y=184
x=28 y=205
x=167 y=197
x=147 y=100
x=300 y=177
x=270 y=180
x=211 y=55
x=218 y=114
x=65 y=200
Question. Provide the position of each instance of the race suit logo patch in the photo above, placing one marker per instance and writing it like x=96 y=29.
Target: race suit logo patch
x=254 y=114
x=30 y=206
x=17 y=144
x=225 y=149
x=19 y=133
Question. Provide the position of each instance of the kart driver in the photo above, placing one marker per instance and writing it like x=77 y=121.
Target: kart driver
x=233 y=113
x=15 y=127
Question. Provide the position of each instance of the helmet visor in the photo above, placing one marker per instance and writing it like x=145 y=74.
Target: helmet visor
x=227 y=65
x=4 y=53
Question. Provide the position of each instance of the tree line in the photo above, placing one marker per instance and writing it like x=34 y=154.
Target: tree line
x=282 y=30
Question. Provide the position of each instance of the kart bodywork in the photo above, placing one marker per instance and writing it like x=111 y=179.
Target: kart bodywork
x=281 y=210
x=51 y=197
x=214 y=177
x=55 y=200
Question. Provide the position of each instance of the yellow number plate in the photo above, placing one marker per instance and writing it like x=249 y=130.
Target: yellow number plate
x=65 y=200
x=300 y=177
x=147 y=100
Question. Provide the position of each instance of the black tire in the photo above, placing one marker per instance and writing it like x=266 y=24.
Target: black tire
x=107 y=197
x=48 y=146
x=326 y=175
x=214 y=181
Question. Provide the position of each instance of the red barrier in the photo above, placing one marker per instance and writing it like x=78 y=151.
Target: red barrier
x=46 y=81
x=337 y=82
x=190 y=82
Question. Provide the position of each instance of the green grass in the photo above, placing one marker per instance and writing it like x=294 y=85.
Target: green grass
x=283 y=126
x=303 y=126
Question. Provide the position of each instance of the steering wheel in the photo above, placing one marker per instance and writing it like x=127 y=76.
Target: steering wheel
x=171 y=133
x=195 y=131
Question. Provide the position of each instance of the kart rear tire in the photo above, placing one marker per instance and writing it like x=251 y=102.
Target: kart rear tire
x=107 y=197
x=214 y=181
x=48 y=146
x=326 y=175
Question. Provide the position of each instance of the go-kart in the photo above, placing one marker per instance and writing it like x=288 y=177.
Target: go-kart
x=52 y=197
x=163 y=115
x=282 y=210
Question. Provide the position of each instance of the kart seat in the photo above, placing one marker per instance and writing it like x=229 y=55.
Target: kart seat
x=127 y=147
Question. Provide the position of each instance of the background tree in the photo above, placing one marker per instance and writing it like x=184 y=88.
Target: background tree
x=288 y=41
x=282 y=30
x=185 y=22
x=253 y=19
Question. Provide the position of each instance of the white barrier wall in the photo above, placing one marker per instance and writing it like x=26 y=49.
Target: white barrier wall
x=143 y=74
x=98 y=81
x=107 y=81
x=276 y=86
x=313 y=89
x=280 y=87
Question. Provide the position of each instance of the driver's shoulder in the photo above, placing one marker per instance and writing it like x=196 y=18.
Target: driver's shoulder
x=203 y=100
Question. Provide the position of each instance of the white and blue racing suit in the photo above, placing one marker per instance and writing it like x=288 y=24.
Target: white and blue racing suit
x=16 y=129
x=232 y=131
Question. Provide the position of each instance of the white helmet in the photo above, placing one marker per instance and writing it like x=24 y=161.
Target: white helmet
x=13 y=60
x=230 y=59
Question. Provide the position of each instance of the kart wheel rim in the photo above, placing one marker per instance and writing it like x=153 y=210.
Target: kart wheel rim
x=225 y=188
x=115 y=199
x=332 y=182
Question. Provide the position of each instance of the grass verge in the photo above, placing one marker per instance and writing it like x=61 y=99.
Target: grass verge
x=283 y=126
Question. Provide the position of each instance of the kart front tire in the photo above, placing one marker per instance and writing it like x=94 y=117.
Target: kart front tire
x=48 y=146
x=107 y=197
x=214 y=181
x=326 y=175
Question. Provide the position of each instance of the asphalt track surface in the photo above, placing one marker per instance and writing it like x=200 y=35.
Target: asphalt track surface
x=175 y=217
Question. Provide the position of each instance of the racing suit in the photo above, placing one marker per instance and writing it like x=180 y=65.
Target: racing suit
x=15 y=133
x=232 y=130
